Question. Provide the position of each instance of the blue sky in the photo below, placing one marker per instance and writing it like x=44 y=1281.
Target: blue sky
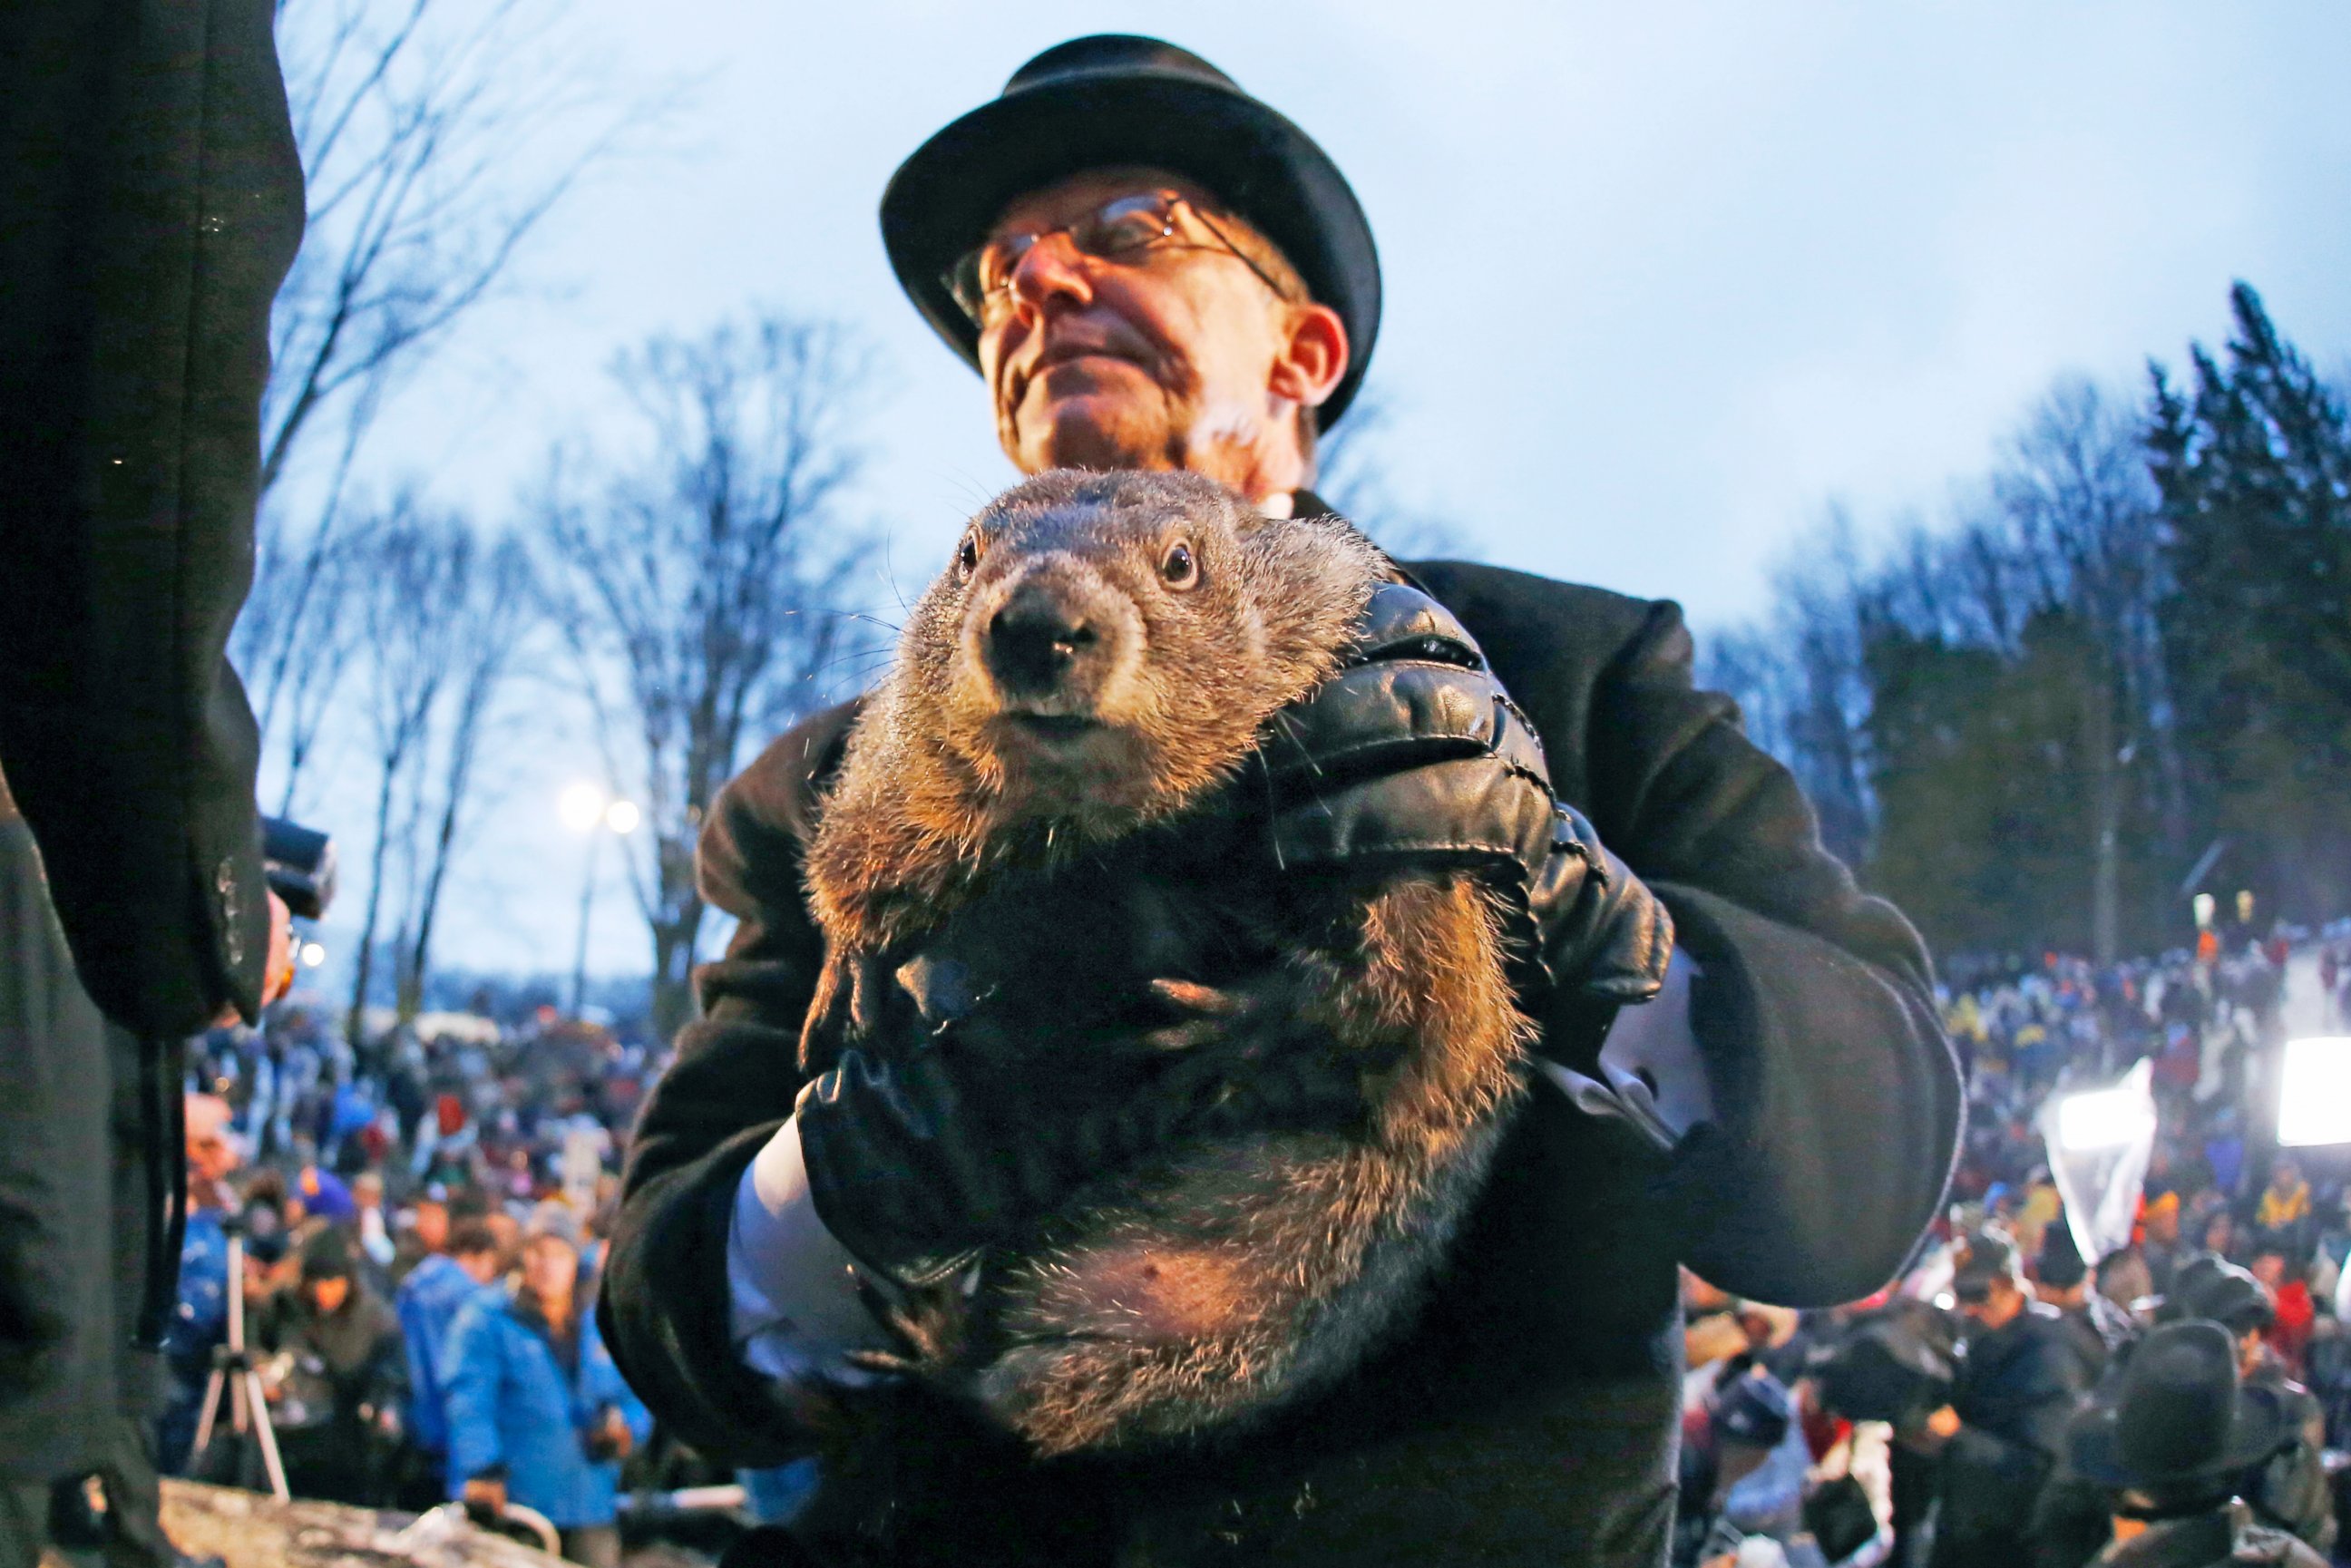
x=1662 y=280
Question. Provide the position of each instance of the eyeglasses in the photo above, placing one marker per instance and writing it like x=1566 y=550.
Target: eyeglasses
x=1118 y=231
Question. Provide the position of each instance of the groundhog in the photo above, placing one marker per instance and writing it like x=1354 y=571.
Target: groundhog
x=1044 y=808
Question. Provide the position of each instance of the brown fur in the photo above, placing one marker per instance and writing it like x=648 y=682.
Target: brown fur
x=1231 y=1277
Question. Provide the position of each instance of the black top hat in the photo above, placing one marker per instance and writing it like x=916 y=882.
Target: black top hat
x=1110 y=99
x=2177 y=1417
x=2209 y=1287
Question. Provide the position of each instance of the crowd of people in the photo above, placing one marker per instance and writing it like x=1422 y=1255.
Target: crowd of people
x=417 y=1231
x=420 y=1229
x=2180 y=1399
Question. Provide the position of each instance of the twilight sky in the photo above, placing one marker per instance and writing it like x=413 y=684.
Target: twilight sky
x=1661 y=280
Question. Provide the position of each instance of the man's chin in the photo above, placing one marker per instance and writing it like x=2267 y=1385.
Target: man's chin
x=1100 y=427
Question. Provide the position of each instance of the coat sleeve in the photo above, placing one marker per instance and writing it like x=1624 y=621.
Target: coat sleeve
x=153 y=202
x=475 y=1368
x=1837 y=1100
x=663 y=1307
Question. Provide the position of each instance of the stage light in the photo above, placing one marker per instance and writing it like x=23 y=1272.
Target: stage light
x=2104 y=1118
x=2315 y=1091
x=581 y=806
x=623 y=815
x=313 y=955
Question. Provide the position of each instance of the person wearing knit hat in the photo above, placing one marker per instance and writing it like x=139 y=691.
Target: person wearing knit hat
x=338 y=1408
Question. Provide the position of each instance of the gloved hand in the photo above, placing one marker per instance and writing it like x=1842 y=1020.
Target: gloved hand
x=923 y=1149
x=1415 y=754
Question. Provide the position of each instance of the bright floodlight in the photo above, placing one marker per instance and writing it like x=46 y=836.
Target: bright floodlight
x=581 y=806
x=2102 y=1119
x=313 y=955
x=2315 y=1091
x=623 y=815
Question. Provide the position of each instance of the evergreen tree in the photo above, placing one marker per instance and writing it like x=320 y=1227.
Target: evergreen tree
x=2252 y=461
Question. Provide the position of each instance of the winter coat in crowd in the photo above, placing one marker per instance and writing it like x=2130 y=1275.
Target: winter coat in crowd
x=520 y=1399
x=199 y=1323
x=346 y=1372
x=430 y=1298
x=2018 y=1386
x=2291 y=1491
x=2223 y=1538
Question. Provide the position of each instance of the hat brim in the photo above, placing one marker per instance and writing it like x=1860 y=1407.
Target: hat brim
x=943 y=199
x=2260 y=1430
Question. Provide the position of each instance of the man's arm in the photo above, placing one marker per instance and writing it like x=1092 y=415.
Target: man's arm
x=1836 y=1103
x=149 y=203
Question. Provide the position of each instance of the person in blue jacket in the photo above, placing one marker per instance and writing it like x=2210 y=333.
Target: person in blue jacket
x=430 y=1298
x=538 y=1413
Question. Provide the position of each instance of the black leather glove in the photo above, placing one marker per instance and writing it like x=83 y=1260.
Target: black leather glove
x=923 y=1151
x=1415 y=754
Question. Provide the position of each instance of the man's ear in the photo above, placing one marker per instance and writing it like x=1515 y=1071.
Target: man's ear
x=1313 y=356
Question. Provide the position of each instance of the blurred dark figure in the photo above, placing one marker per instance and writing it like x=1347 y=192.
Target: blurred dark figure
x=336 y=1405
x=2100 y=1331
x=2171 y=1440
x=150 y=203
x=1997 y=1442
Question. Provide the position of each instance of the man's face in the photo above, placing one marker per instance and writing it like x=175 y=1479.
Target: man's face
x=2163 y=1225
x=1994 y=1307
x=329 y=1292
x=431 y=1226
x=1178 y=356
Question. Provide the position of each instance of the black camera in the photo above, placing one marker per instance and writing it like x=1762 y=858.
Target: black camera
x=300 y=864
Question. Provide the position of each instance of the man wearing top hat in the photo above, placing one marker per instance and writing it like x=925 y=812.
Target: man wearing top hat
x=2172 y=1441
x=1151 y=269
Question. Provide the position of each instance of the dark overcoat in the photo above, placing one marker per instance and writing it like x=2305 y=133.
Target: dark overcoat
x=149 y=203
x=1529 y=1417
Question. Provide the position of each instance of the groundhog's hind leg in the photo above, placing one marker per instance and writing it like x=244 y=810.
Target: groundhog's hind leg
x=1253 y=1272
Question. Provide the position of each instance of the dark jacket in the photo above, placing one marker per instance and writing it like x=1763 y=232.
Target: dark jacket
x=153 y=200
x=2226 y=1537
x=2292 y=1491
x=150 y=202
x=1529 y=1415
x=2018 y=1388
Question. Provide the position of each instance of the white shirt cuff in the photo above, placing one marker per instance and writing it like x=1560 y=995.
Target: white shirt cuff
x=793 y=1305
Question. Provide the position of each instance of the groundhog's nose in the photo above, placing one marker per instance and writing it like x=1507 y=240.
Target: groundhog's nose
x=1035 y=640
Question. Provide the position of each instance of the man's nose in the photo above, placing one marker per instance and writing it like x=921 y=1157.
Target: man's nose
x=1051 y=269
x=1036 y=640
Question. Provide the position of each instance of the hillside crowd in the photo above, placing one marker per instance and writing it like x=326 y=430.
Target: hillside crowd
x=420 y=1225
x=1968 y=1414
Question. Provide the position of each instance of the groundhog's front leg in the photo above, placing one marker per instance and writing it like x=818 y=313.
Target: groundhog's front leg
x=1250 y=1270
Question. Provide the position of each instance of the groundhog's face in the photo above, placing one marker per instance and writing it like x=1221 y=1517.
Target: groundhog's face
x=1106 y=647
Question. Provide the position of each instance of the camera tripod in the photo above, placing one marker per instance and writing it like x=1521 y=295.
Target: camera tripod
x=236 y=1378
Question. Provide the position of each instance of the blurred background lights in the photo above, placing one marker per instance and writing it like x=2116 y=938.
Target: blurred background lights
x=2315 y=1091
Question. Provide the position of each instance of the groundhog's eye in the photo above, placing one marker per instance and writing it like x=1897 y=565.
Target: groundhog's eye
x=967 y=555
x=1180 y=569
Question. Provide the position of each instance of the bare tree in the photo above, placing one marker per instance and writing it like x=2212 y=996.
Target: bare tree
x=411 y=564
x=434 y=138
x=701 y=586
x=493 y=611
x=2075 y=486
